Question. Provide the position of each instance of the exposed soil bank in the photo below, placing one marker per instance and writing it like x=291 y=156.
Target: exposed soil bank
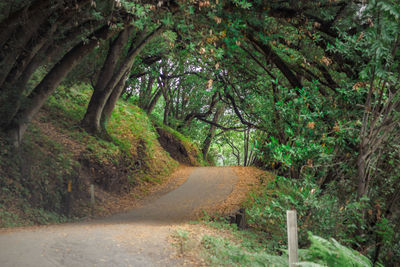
x=137 y=238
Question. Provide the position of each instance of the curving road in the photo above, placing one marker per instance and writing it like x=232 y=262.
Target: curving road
x=136 y=238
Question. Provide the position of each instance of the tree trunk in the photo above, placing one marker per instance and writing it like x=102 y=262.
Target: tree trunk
x=14 y=87
x=13 y=49
x=33 y=48
x=46 y=87
x=280 y=64
x=92 y=120
x=16 y=83
x=145 y=94
x=9 y=25
x=10 y=100
x=153 y=102
x=11 y=97
x=238 y=158
x=362 y=175
x=112 y=101
x=163 y=84
x=114 y=53
x=246 y=135
x=166 y=112
x=48 y=51
x=93 y=114
x=211 y=132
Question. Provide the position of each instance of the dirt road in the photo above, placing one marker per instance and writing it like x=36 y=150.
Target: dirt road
x=137 y=238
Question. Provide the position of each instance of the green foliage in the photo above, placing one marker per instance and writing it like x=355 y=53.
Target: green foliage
x=323 y=214
x=222 y=252
x=192 y=148
x=9 y=219
x=331 y=253
x=132 y=132
x=247 y=248
x=34 y=181
x=342 y=56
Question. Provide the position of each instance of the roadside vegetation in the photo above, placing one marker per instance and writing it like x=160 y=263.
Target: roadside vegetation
x=263 y=242
x=307 y=90
x=55 y=150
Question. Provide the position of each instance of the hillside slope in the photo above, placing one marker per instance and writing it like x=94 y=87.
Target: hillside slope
x=56 y=150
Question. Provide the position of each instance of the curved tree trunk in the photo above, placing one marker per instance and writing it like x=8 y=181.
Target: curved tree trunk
x=10 y=51
x=211 y=132
x=112 y=101
x=149 y=109
x=33 y=48
x=9 y=25
x=11 y=97
x=16 y=129
x=15 y=83
x=31 y=32
x=92 y=120
x=145 y=93
x=106 y=74
x=163 y=85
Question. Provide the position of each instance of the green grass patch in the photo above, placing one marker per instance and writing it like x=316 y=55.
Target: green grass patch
x=34 y=180
x=192 y=148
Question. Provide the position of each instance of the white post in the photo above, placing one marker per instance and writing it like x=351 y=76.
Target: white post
x=292 y=237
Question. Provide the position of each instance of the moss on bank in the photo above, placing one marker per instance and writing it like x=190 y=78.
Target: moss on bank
x=56 y=150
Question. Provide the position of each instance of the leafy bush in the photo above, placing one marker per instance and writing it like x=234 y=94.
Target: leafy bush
x=33 y=181
x=323 y=214
x=245 y=251
x=222 y=252
x=331 y=253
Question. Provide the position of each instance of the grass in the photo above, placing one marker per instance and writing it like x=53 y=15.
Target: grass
x=221 y=251
x=189 y=145
x=221 y=244
x=134 y=142
x=55 y=150
x=33 y=181
x=218 y=243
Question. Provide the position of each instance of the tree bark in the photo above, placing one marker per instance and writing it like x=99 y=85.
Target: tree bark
x=112 y=101
x=246 y=136
x=13 y=87
x=189 y=118
x=10 y=51
x=33 y=48
x=211 y=132
x=234 y=149
x=362 y=176
x=145 y=93
x=282 y=66
x=10 y=100
x=105 y=75
x=16 y=129
x=33 y=31
x=149 y=109
x=92 y=120
x=9 y=25
x=114 y=53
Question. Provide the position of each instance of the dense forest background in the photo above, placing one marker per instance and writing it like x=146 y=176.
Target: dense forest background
x=306 y=89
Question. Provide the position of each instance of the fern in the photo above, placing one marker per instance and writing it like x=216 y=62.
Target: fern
x=331 y=253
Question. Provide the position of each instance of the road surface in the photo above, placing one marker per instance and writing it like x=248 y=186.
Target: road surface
x=136 y=238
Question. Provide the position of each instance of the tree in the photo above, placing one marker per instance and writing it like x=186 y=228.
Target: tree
x=16 y=129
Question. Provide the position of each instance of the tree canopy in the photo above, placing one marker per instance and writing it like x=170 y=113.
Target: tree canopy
x=309 y=89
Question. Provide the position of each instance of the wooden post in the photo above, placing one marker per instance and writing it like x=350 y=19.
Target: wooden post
x=92 y=198
x=292 y=237
x=241 y=219
x=68 y=200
